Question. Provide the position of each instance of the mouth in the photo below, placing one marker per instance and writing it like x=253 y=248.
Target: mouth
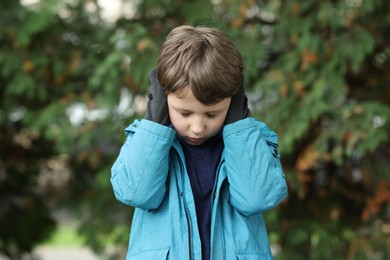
x=194 y=141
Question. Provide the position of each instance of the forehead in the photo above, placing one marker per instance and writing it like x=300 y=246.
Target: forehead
x=187 y=101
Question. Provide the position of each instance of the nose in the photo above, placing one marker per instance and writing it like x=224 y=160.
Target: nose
x=197 y=126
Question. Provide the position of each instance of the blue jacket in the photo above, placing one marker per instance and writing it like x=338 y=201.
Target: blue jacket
x=150 y=175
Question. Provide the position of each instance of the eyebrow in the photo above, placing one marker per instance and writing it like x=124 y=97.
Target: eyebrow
x=183 y=110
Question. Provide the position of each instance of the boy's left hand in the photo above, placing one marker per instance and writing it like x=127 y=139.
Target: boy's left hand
x=238 y=108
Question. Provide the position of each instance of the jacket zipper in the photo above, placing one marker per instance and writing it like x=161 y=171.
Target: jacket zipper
x=214 y=194
x=188 y=218
x=215 y=185
x=189 y=224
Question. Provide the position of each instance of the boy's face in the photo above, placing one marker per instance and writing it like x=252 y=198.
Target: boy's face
x=194 y=121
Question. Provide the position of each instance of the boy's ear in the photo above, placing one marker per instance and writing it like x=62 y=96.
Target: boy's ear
x=238 y=108
x=157 y=106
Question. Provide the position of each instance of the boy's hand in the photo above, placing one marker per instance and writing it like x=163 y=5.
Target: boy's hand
x=238 y=108
x=157 y=107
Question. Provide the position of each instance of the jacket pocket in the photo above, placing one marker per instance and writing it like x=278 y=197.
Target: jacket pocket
x=150 y=255
x=252 y=255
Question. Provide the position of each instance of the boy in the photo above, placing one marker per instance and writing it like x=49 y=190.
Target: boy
x=198 y=170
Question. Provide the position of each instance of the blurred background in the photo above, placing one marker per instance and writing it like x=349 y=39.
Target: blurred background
x=73 y=75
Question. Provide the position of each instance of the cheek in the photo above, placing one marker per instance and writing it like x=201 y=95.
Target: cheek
x=177 y=121
x=217 y=124
x=221 y=120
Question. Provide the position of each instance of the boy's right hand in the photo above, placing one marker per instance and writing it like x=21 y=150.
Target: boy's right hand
x=157 y=107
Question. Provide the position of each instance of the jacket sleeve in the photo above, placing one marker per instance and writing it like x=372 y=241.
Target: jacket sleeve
x=256 y=179
x=139 y=174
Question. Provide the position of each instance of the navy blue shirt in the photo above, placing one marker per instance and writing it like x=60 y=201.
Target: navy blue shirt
x=202 y=162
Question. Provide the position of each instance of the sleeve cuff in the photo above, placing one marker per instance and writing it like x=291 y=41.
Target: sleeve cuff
x=153 y=128
x=239 y=126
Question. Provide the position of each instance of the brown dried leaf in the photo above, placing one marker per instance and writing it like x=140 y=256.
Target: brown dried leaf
x=308 y=58
x=307 y=159
x=374 y=204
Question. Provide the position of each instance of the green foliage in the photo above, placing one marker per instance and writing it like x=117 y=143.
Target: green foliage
x=65 y=235
x=51 y=62
x=316 y=72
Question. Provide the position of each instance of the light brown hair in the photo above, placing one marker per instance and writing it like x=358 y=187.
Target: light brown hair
x=201 y=59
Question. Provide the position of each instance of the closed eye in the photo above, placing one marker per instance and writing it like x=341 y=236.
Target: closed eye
x=211 y=115
x=185 y=114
